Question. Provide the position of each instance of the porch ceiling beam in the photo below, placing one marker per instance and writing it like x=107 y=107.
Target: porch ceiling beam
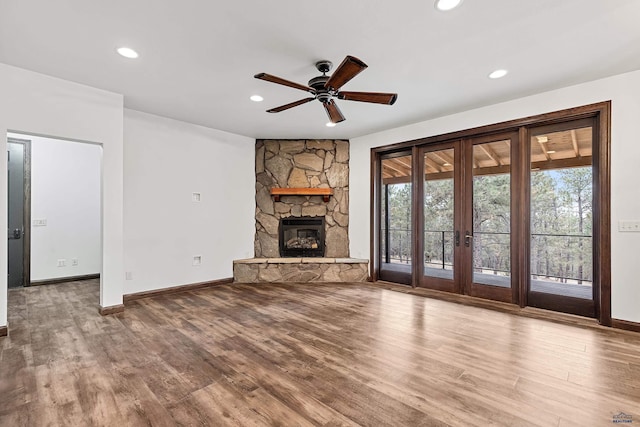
x=492 y=154
x=544 y=150
x=433 y=164
x=574 y=142
x=445 y=158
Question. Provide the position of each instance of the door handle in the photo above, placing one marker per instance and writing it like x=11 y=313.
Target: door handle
x=16 y=234
x=457 y=237
x=467 y=238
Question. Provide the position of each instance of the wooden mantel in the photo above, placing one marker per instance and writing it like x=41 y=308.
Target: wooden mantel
x=326 y=193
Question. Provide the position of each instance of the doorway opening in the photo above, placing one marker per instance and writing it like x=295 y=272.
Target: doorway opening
x=18 y=212
x=58 y=221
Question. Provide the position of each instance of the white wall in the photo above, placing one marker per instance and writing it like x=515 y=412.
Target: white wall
x=165 y=162
x=622 y=90
x=37 y=104
x=65 y=191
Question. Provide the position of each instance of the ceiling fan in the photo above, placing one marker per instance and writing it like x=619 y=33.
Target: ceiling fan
x=325 y=88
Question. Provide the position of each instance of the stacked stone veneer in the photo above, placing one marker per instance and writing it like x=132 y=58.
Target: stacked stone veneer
x=302 y=164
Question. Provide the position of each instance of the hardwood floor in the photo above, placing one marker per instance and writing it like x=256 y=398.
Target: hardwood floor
x=304 y=354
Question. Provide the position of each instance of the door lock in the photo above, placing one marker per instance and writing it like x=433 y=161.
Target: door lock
x=457 y=238
x=15 y=234
x=467 y=238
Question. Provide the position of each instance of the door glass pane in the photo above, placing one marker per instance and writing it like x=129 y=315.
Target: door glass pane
x=561 y=213
x=491 y=214
x=438 y=213
x=395 y=247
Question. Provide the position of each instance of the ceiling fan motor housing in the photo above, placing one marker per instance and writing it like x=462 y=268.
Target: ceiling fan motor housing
x=322 y=93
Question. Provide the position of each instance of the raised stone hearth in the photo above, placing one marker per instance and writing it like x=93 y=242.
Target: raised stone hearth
x=263 y=270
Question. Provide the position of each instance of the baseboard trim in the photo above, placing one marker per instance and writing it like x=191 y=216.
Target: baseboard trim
x=626 y=325
x=112 y=309
x=4 y=331
x=176 y=289
x=64 y=280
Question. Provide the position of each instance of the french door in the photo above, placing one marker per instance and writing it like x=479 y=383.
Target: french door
x=466 y=213
x=516 y=212
x=561 y=217
x=439 y=213
x=396 y=247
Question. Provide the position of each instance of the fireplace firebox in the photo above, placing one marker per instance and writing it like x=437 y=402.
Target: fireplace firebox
x=301 y=237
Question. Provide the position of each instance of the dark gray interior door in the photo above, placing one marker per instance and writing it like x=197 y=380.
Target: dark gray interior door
x=16 y=153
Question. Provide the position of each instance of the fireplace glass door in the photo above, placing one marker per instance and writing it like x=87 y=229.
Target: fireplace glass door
x=302 y=237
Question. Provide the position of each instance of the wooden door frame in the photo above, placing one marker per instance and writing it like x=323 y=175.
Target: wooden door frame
x=376 y=197
x=26 y=243
x=488 y=291
x=601 y=114
x=418 y=272
x=551 y=301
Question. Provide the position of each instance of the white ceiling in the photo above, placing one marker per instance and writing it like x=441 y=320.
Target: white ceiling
x=198 y=57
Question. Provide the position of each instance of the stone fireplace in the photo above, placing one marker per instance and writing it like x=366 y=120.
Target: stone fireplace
x=302 y=164
x=299 y=165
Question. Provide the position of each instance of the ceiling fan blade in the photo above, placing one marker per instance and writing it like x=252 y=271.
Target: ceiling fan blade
x=333 y=111
x=375 y=97
x=281 y=81
x=291 y=105
x=348 y=69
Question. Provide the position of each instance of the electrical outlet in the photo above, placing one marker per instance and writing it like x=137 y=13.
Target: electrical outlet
x=197 y=260
x=629 y=226
x=128 y=275
x=74 y=262
x=62 y=263
x=39 y=222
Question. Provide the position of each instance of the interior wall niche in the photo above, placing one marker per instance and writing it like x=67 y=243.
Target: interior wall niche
x=302 y=164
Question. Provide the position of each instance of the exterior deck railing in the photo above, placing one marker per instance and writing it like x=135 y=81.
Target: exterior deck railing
x=562 y=260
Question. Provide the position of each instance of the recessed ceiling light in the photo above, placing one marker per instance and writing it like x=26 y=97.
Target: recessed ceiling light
x=551 y=151
x=446 y=5
x=446 y=164
x=330 y=124
x=498 y=74
x=256 y=98
x=127 y=52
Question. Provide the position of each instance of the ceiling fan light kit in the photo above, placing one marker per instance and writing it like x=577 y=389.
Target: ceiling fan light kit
x=327 y=88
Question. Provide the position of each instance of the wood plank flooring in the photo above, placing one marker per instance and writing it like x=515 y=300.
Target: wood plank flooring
x=304 y=355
